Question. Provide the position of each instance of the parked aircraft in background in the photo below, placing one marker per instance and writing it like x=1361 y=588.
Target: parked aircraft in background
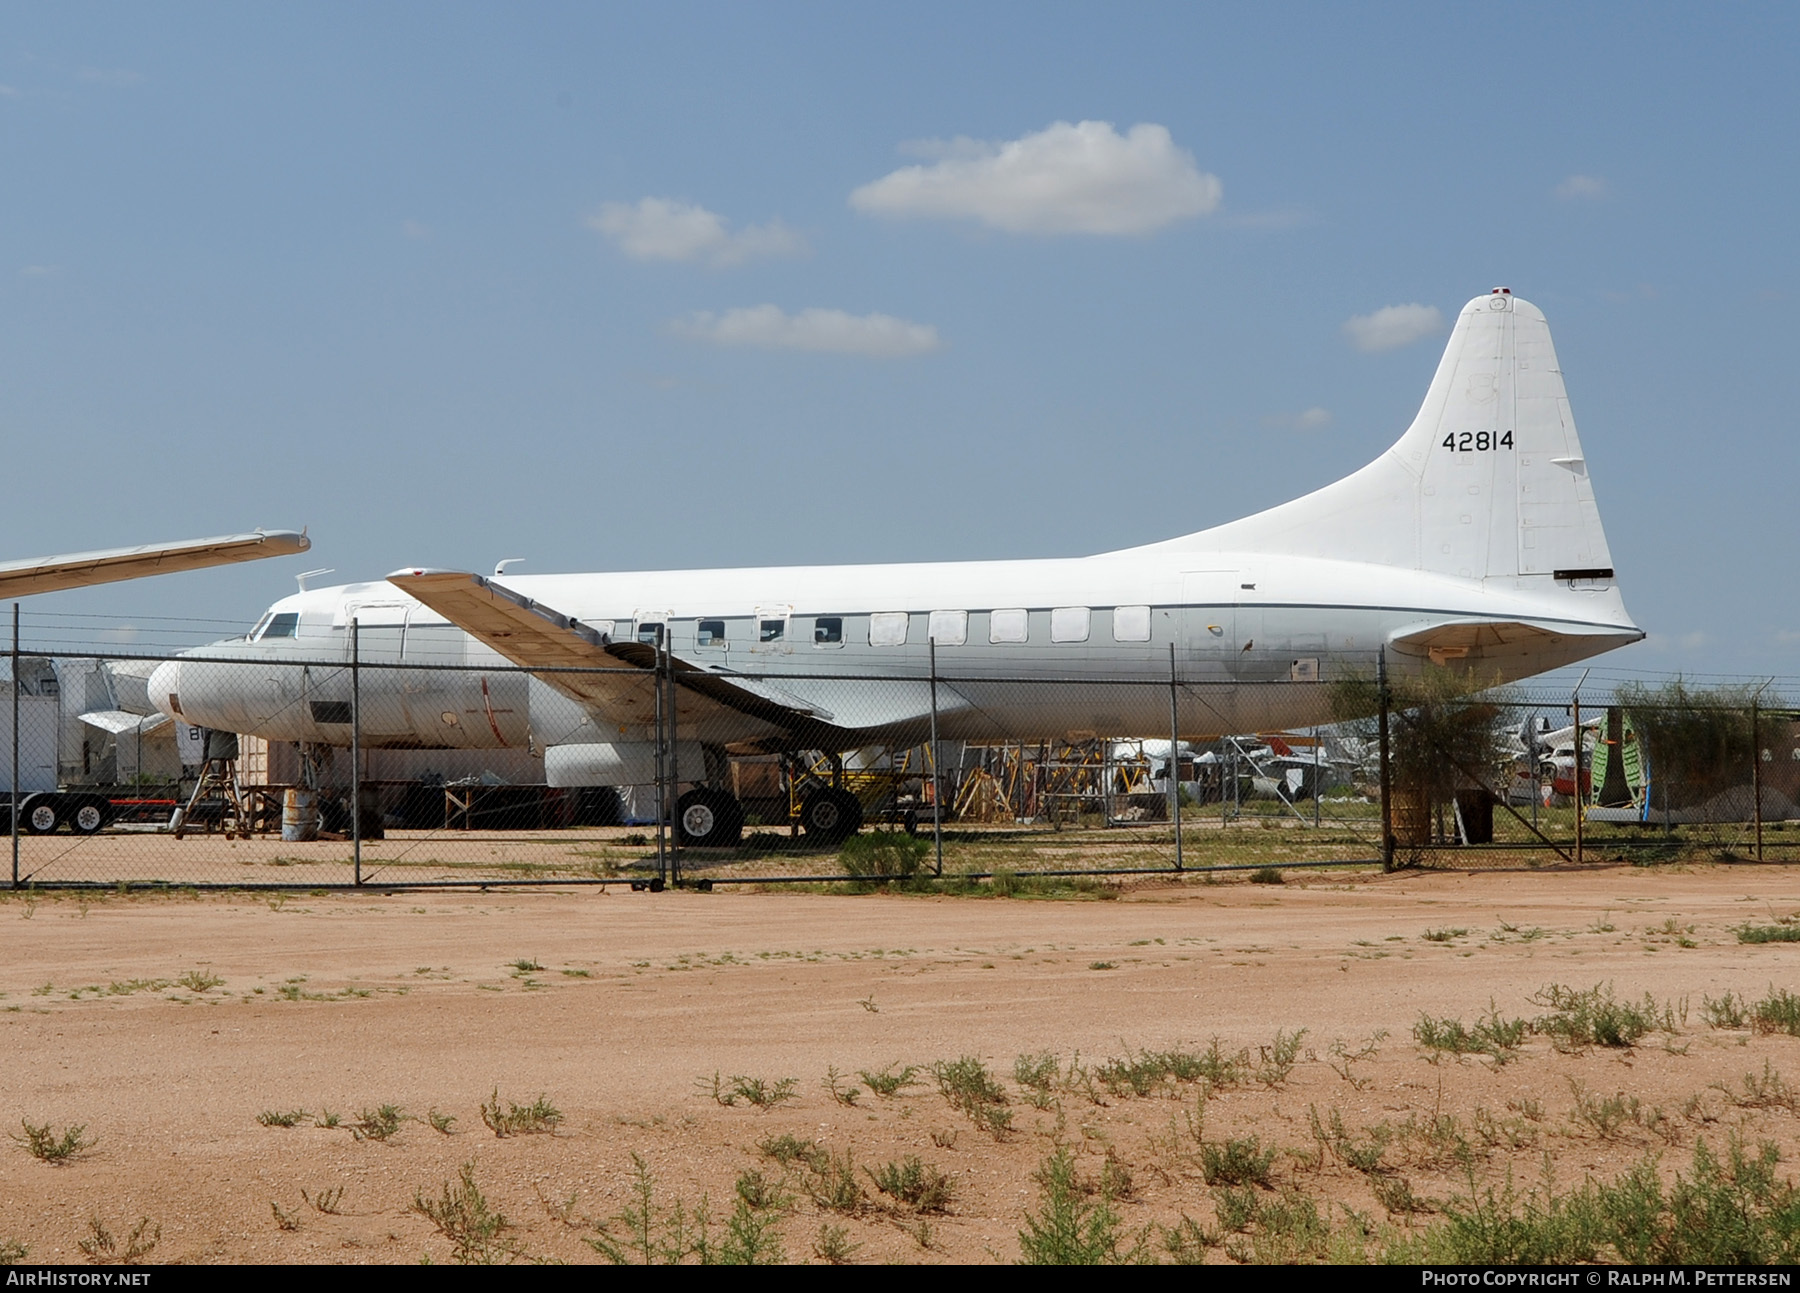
x=1473 y=543
x=81 y=569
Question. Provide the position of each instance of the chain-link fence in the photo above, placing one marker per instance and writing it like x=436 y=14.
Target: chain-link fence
x=301 y=772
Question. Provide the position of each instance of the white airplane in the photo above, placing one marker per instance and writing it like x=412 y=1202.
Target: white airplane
x=1473 y=543
x=108 y=565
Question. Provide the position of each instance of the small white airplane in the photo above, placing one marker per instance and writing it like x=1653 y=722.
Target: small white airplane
x=108 y=565
x=1473 y=543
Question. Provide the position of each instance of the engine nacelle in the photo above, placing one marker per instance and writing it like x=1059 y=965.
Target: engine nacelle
x=622 y=763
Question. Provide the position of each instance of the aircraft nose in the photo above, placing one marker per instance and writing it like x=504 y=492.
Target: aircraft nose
x=165 y=687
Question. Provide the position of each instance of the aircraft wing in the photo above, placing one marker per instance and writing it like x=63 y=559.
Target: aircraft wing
x=612 y=678
x=81 y=569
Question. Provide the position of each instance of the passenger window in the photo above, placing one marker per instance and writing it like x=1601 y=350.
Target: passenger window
x=710 y=633
x=1131 y=624
x=771 y=630
x=1007 y=626
x=648 y=631
x=949 y=628
x=828 y=630
x=285 y=625
x=1069 y=624
x=888 y=628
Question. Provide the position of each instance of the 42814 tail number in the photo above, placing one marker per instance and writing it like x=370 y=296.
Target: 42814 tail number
x=1478 y=441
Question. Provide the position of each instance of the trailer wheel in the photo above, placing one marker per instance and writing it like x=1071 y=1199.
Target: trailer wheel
x=89 y=817
x=43 y=814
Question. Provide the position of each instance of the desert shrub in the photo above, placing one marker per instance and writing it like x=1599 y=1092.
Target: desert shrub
x=884 y=854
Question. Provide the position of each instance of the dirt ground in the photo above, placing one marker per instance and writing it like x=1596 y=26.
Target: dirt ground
x=619 y=1009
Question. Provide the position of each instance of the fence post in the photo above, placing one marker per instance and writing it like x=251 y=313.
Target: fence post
x=1756 y=764
x=674 y=758
x=1174 y=758
x=355 y=750
x=1580 y=742
x=15 y=747
x=662 y=766
x=1387 y=807
x=937 y=785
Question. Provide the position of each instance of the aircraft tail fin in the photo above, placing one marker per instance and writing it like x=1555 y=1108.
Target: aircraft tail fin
x=1489 y=482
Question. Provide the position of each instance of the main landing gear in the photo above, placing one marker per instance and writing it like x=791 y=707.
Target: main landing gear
x=708 y=819
x=831 y=816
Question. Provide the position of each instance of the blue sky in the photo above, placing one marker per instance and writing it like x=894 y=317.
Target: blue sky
x=388 y=271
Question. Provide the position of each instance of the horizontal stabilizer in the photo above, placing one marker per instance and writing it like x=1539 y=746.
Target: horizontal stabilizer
x=1471 y=640
x=117 y=721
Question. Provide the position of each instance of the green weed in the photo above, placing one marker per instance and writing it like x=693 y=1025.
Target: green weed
x=326 y=1201
x=838 y=1090
x=1266 y=875
x=1581 y=1018
x=379 y=1123
x=760 y=1194
x=462 y=1215
x=1069 y=1230
x=788 y=1150
x=199 y=980
x=833 y=1245
x=832 y=1184
x=1494 y=1036
x=103 y=1250
x=763 y=1094
x=1278 y=1058
x=1769 y=934
x=47 y=1147
x=920 y=1186
x=888 y=1083
x=1779 y=1012
x=1729 y=1011
x=537 y=1118
x=282 y=1117
x=1237 y=1162
x=284 y=1220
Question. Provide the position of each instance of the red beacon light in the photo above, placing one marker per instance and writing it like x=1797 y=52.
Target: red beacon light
x=1501 y=291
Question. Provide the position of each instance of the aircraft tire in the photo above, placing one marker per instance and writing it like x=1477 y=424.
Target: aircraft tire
x=708 y=819
x=43 y=814
x=90 y=816
x=831 y=816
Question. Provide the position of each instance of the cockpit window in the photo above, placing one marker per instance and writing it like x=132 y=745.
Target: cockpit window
x=261 y=624
x=284 y=625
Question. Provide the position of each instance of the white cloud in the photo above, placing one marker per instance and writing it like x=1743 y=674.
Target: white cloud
x=1084 y=178
x=1313 y=419
x=878 y=336
x=663 y=229
x=1581 y=188
x=1393 y=326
